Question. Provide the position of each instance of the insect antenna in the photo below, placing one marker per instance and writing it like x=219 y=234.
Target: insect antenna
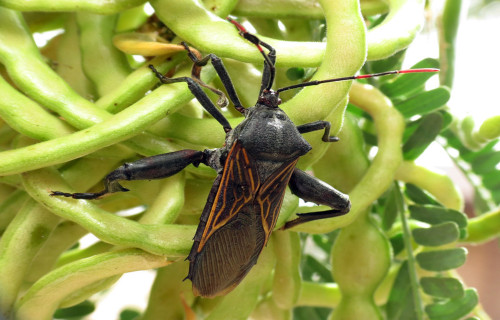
x=363 y=76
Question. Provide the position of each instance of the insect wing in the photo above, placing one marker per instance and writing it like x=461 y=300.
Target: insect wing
x=241 y=217
x=229 y=237
x=270 y=196
x=236 y=191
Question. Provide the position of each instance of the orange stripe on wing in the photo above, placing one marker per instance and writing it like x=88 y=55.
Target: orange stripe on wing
x=232 y=179
x=270 y=196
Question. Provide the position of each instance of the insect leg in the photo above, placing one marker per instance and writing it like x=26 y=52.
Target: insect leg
x=269 y=69
x=318 y=125
x=201 y=96
x=312 y=189
x=269 y=59
x=155 y=167
x=221 y=71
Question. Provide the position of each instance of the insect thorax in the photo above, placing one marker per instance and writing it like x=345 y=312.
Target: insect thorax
x=269 y=136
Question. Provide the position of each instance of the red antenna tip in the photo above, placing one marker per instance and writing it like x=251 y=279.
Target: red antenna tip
x=237 y=24
x=419 y=70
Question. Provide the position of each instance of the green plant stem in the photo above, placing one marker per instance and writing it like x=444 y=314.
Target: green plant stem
x=168 y=240
x=10 y=206
x=267 y=309
x=28 y=232
x=124 y=125
x=417 y=300
x=439 y=185
x=296 y=9
x=22 y=239
x=222 y=8
x=319 y=294
x=168 y=202
x=174 y=187
x=287 y=280
x=5 y=192
x=397 y=31
x=28 y=70
x=65 y=235
x=359 y=269
x=380 y=174
x=328 y=294
x=167 y=293
x=484 y=227
x=104 y=65
x=69 y=59
x=195 y=24
x=27 y=117
x=136 y=84
x=448 y=25
x=42 y=299
x=96 y=6
x=331 y=99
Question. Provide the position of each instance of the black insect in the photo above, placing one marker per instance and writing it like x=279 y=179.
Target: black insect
x=253 y=167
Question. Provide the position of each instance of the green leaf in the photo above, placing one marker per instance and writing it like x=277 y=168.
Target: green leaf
x=436 y=215
x=442 y=287
x=437 y=235
x=427 y=131
x=463 y=233
x=469 y=155
x=454 y=308
x=405 y=84
x=391 y=207
x=492 y=180
x=447 y=118
x=486 y=163
x=129 y=314
x=80 y=310
x=295 y=73
x=393 y=62
x=442 y=260
x=400 y=305
x=397 y=243
x=424 y=102
x=419 y=196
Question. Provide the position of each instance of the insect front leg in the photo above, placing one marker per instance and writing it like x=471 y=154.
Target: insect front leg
x=269 y=72
x=314 y=190
x=318 y=125
x=155 y=167
x=221 y=71
x=201 y=96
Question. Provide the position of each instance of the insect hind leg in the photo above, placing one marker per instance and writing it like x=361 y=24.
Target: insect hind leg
x=155 y=167
x=312 y=189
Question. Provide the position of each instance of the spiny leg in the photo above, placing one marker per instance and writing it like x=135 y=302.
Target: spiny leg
x=155 y=167
x=312 y=189
x=201 y=96
x=318 y=125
